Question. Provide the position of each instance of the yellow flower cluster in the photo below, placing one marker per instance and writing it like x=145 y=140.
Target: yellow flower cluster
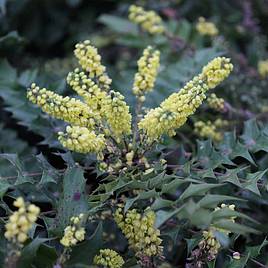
x=263 y=68
x=82 y=140
x=209 y=243
x=68 y=109
x=85 y=87
x=103 y=113
x=206 y=28
x=116 y=112
x=148 y=20
x=209 y=129
x=90 y=61
x=109 y=258
x=174 y=111
x=216 y=71
x=21 y=221
x=148 y=66
x=139 y=229
x=73 y=233
x=215 y=102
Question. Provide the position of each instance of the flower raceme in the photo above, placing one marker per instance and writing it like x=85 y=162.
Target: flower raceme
x=21 y=221
x=216 y=103
x=100 y=109
x=148 y=20
x=109 y=258
x=73 y=233
x=174 y=111
x=90 y=61
x=145 y=78
x=89 y=90
x=82 y=140
x=139 y=229
x=70 y=110
x=206 y=28
x=101 y=120
x=212 y=130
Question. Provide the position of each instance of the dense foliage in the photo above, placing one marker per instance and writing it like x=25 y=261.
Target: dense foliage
x=133 y=134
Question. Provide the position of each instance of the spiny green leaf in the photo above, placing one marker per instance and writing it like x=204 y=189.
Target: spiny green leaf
x=252 y=181
x=234 y=227
x=73 y=200
x=211 y=200
x=162 y=216
x=232 y=148
x=119 y=25
x=254 y=251
x=29 y=252
x=197 y=189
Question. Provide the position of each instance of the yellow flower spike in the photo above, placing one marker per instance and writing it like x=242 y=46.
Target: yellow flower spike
x=206 y=28
x=149 y=21
x=263 y=68
x=148 y=66
x=174 y=111
x=73 y=233
x=116 y=112
x=207 y=130
x=109 y=258
x=68 y=109
x=21 y=221
x=82 y=140
x=216 y=71
x=84 y=86
x=215 y=102
x=139 y=229
x=90 y=61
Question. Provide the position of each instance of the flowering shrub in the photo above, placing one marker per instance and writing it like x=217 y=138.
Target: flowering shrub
x=147 y=150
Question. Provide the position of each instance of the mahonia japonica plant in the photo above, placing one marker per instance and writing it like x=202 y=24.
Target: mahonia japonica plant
x=101 y=122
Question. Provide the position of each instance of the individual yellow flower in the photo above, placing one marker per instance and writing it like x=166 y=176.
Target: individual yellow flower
x=148 y=66
x=139 y=229
x=129 y=158
x=148 y=20
x=174 y=111
x=84 y=86
x=263 y=68
x=215 y=102
x=73 y=233
x=206 y=28
x=109 y=258
x=21 y=221
x=90 y=60
x=68 y=109
x=82 y=140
